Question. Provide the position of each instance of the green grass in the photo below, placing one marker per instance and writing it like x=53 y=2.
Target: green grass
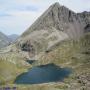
x=11 y=65
x=8 y=71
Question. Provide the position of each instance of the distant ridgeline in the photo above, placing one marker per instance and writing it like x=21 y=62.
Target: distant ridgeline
x=7 y=40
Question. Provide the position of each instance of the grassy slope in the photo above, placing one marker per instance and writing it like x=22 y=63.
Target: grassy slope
x=11 y=65
x=73 y=54
x=68 y=53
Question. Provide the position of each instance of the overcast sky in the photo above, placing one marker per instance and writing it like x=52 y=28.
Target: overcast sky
x=17 y=15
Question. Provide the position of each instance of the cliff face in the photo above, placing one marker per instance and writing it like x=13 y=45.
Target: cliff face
x=60 y=18
x=85 y=18
x=58 y=23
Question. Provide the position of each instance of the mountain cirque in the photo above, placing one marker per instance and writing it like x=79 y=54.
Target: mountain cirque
x=59 y=36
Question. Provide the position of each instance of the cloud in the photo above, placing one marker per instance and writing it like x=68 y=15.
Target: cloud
x=5 y=15
x=19 y=21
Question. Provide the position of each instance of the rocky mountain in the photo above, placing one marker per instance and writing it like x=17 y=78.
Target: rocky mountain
x=59 y=36
x=57 y=24
x=4 y=40
x=85 y=18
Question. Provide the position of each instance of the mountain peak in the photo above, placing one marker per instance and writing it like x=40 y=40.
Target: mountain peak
x=58 y=17
x=56 y=4
x=56 y=24
x=52 y=17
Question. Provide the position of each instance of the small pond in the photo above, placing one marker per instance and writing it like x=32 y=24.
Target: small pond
x=43 y=74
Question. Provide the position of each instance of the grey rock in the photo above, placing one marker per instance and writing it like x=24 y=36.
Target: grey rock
x=56 y=24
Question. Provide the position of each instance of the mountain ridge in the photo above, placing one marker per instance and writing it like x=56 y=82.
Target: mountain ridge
x=51 y=11
x=4 y=40
x=56 y=24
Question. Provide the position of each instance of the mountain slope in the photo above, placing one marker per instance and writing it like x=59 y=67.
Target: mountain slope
x=58 y=23
x=7 y=40
x=59 y=36
x=75 y=55
x=4 y=40
x=58 y=17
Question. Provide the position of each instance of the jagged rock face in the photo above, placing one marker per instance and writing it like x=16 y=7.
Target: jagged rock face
x=85 y=18
x=59 y=17
x=58 y=23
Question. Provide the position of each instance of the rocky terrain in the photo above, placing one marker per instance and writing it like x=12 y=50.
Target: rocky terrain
x=58 y=23
x=59 y=36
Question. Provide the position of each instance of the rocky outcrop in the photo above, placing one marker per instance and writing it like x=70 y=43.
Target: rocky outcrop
x=59 y=17
x=58 y=23
x=85 y=19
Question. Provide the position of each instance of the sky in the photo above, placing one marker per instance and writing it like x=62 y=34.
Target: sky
x=17 y=15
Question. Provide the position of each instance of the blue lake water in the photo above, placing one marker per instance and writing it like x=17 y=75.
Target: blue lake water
x=43 y=74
